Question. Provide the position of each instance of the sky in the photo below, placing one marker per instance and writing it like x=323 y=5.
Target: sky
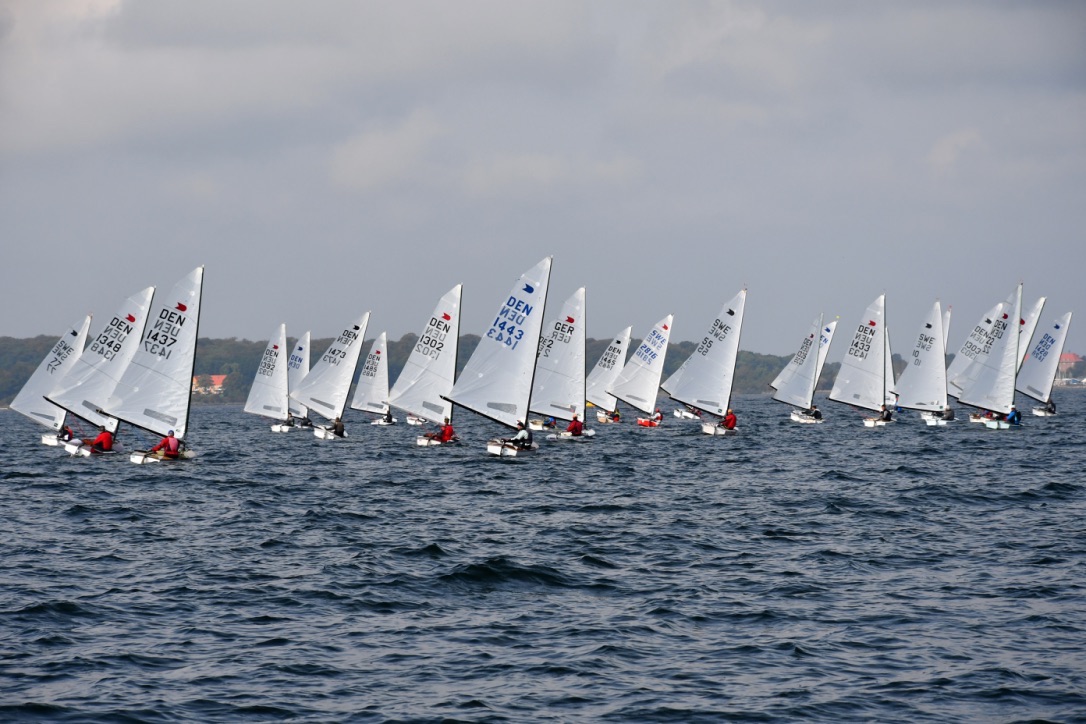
x=330 y=157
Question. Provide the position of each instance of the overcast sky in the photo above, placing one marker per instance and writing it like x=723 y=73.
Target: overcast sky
x=324 y=158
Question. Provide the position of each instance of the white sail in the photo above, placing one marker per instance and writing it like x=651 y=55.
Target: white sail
x=705 y=379
x=888 y=396
x=861 y=381
x=497 y=380
x=946 y=328
x=1028 y=327
x=371 y=391
x=58 y=362
x=988 y=383
x=324 y=390
x=923 y=381
x=1043 y=361
x=297 y=369
x=154 y=391
x=92 y=378
x=977 y=343
x=639 y=381
x=796 y=383
x=268 y=395
x=427 y=376
x=606 y=371
x=559 y=387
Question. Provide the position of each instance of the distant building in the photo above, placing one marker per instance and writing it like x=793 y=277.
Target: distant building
x=1067 y=361
x=208 y=384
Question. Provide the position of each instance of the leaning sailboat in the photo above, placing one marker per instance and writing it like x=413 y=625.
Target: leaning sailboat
x=866 y=377
x=428 y=373
x=704 y=381
x=989 y=381
x=371 y=390
x=638 y=383
x=795 y=384
x=297 y=369
x=155 y=391
x=1038 y=372
x=268 y=394
x=497 y=380
x=604 y=374
x=324 y=390
x=923 y=381
x=558 y=390
x=61 y=358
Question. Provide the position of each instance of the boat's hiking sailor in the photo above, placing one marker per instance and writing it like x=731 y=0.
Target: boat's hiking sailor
x=102 y=443
x=444 y=434
x=337 y=427
x=523 y=438
x=728 y=421
x=169 y=445
x=576 y=427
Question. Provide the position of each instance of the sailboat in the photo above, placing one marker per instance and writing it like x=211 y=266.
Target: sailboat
x=1038 y=372
x=428 y=373
x=371 y=391
x=94 y=375
x=988 y=382
x=31 y=402
x=866 y=376
x=978 y=341
x=558 y=390
x=1027 y=326
x=155 y=390
x=639 y=381
x=704 y=381
x=923 y=381
x=497 y=380
x=795 y=384
x=324 y=390
x=604 y=374
x=268 y=395
x=297 y=369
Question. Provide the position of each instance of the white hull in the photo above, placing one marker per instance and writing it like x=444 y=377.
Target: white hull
x=535 y=424
x=50 y=439
x=142 y=457
x=504 y=449
x=1037 y=411
x=799 y=417
x=323 y=433
x=77 y=448
x=281 y=428
x=997 y=424
x=603 y=417
x=711 y=428
x=935 y=422
x=872 y=422
x=413 y=420
x=586 y=435
x=423 y=441
x=686 y=415
x=977 y=418
x=383 y=422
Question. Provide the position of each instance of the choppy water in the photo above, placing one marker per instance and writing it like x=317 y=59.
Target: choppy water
x=795 y=572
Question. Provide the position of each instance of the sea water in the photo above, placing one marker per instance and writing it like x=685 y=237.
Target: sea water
x=794 y=572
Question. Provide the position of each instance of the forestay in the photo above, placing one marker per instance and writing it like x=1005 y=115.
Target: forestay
x=559 y=387
x=923 y=381
x=988 y=383
x=92 y=378
x=268 y=395
x=705 y=379
x=324 y=390
x=58 y=362
x=155 y=389
x=497 y=380
x=371 y=391
x=606 y=371
x=297 y=369
x=639 y=381
x=1042 y=363
x=861 y=381
x=427 y=376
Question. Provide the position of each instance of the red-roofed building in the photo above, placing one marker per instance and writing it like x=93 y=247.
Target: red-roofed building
x=208 y=384
x=1067 y=361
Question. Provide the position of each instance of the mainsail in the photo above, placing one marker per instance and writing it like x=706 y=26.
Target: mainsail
x=268 y=395
x=297 y=369
x=639 y=382
x=559 y=387
x=1039 y=369
x=988 y=383
x=923 y=381
x=795 y=385
x=861 y=381
x=371 y=391
x=58 y=362
x=428 y=373
x=606 y=371
x=497 y=380
x=324 y=390
x=705 y=379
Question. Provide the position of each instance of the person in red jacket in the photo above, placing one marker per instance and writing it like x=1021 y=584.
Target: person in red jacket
x=728 y=423
x=102 y=443
x=576 y=427
x=445 y=434
x=169 y=445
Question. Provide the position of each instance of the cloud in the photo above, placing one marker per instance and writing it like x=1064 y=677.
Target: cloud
x=378 y=158
x=945 y=154
x=526 y=175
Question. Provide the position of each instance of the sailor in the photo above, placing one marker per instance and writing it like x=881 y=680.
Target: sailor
x=102 y=443
x=1014 y=417
x=1050 y=406
x=388 y=416
x=550 y=423
x=657 y=416
x=729 y=420
x=169 y=445
x=289 y=421
x=815 y=412
x=523 y=438
x=885 y=415
x=444 y=434
x=576 y=427
x=337 y=428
